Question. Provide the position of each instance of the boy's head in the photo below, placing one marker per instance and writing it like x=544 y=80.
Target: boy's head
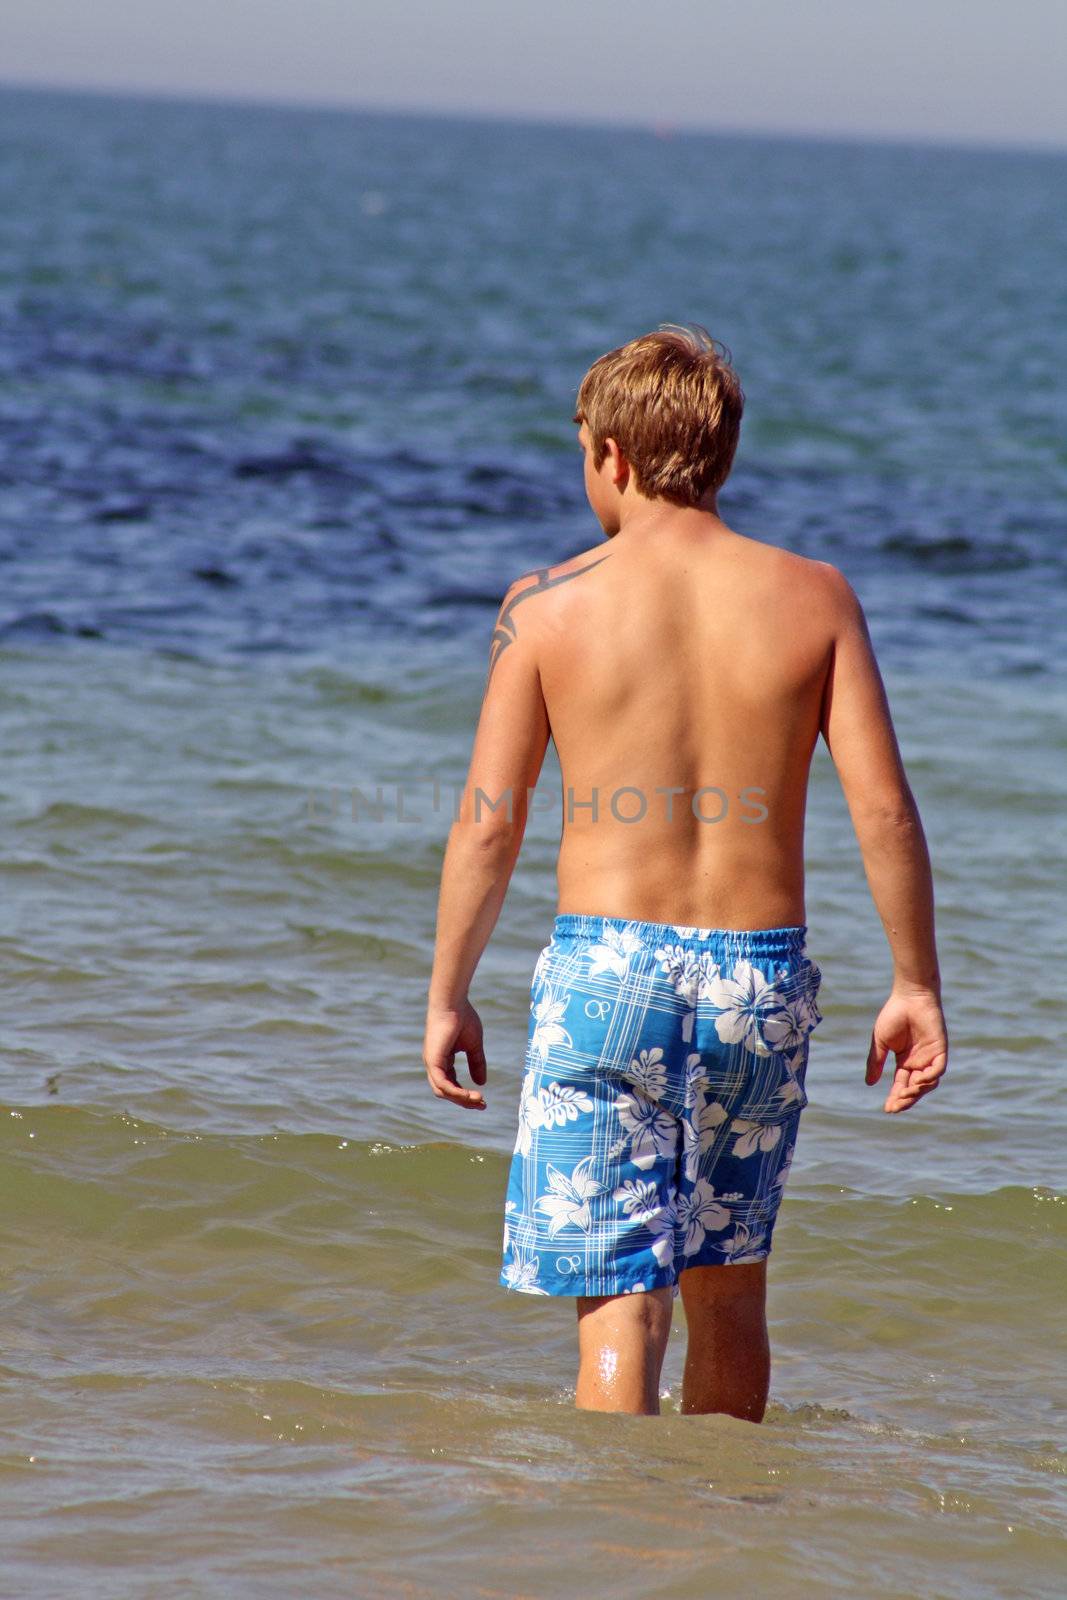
x=672 y=404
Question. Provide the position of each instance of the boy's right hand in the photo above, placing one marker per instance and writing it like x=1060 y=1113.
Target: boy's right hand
x=450 y=1030
x=912 y=1025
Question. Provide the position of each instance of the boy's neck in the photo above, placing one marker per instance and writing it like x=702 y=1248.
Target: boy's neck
x=642 y=516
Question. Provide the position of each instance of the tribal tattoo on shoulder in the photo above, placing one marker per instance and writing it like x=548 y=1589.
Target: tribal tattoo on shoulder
x=506 y=631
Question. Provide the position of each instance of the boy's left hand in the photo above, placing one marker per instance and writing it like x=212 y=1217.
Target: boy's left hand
x=449 y=1032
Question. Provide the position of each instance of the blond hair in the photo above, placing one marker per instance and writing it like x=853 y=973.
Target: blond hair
x=672 y=402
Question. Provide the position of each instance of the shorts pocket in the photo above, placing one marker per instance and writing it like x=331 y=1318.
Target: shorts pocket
x=541 y=966
x=787 y=1028
x=810 y=989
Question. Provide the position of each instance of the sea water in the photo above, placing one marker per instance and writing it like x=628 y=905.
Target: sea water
x=285 y=406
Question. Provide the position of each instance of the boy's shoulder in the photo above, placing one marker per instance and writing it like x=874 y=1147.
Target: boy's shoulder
x=542 y=581
x=531 y=601
x=829 y=584
x=808 y=576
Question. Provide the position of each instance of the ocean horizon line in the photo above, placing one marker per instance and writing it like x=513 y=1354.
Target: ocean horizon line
x=657 y=128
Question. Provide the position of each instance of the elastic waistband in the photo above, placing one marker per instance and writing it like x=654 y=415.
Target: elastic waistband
x=743 y=941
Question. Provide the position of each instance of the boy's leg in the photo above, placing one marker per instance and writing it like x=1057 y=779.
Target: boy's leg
x=622 y=1339
x=728 y=1358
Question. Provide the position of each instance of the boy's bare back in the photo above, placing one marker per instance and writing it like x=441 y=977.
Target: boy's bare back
x=685 y=730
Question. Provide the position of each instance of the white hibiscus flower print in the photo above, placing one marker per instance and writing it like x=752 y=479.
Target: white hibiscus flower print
x=690 y=974
x=568 y=1204
x=680 y=966
x=700 y=1212
x=651 y=1130
x=753 y=1136
x=649 y=1071
x=521 y=1273
x=797 y=1018
x=747 y=1244
x=789 y=1027
x=709 y=974
x=562 y=1102
x=700 y=1125
x=613 y=953
x=744 y=1002
x=548 y=1107
x=690 y=933
x=696 y=1074
x=549 y=1029
x=642 y=1203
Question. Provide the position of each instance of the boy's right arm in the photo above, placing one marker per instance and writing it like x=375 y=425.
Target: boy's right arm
x=858 y=729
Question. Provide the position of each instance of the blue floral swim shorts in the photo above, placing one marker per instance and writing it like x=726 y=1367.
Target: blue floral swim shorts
x=663 y=1087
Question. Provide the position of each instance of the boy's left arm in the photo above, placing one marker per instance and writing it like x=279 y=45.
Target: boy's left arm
x=483 y=846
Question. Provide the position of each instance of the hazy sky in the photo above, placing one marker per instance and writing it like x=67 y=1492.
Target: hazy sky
x=968 y=71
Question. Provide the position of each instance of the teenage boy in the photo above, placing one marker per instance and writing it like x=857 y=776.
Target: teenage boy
x=685 y=673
